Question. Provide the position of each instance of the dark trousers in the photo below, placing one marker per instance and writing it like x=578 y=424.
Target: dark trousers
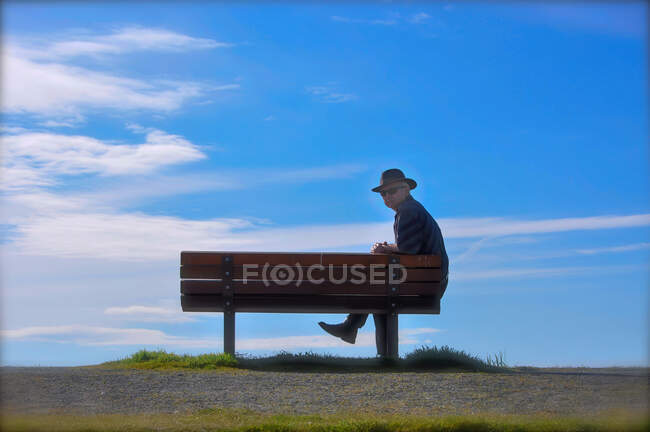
x=358 y=321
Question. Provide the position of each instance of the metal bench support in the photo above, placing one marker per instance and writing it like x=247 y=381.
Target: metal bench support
x=229 y=309
x=229 y=332
x=392 y=291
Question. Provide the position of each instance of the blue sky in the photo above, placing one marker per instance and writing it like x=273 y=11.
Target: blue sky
x=132 y=132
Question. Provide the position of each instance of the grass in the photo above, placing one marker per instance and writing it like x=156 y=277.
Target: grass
x=421 y=359
x=226 y=420
x=161 y=359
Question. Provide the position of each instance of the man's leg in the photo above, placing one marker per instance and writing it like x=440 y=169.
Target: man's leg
x=380 y=333
x=357 y=320
x=443 y=285
x=347 y=330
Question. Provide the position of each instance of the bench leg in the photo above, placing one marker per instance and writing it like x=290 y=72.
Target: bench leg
x=392 y=339
x=229 y=332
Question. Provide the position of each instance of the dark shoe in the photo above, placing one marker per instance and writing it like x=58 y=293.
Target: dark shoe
x=343 y=331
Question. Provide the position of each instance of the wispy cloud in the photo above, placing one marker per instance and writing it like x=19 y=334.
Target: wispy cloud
x=364 y=339
x=35 y=159
x=495 y=232
x=40 y=77
x=71 y=122
x=615 y=249
x=62 y=222
x=5 y=129
x=419 y=17
x=537 y=272
x=121 y=41
x=63 y=91
x=327 y=94
x=64 y=233
x=472 y=249
x=149 y=314
x=124 y=236
x=470 y=253
x=627 y=19
x=483 y=227
x=159 y=185
x=54 y=223
x=392 y=19
x=107 y=336
x=385 y=22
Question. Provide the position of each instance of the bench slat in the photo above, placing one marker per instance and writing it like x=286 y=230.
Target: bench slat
x=312 y=304
x=337 y=272
x=305 y=259
x=206 y=287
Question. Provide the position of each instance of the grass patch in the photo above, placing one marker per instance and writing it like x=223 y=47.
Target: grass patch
x=421 y=359
x=227 y=420
x=161 y=359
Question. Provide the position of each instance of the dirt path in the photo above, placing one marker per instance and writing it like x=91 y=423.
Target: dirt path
x=581 y=392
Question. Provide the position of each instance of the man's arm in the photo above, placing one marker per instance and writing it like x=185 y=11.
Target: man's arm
x=409 y=235
x=383 y=248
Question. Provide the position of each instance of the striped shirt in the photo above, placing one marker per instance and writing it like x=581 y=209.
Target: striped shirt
x=416 y=232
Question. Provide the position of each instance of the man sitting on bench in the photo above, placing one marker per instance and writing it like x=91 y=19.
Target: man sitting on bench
x=416 y=232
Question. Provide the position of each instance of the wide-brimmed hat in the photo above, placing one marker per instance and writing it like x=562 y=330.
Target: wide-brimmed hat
x=391 y=176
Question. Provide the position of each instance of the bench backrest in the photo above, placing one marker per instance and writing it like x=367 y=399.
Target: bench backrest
x=310 y=282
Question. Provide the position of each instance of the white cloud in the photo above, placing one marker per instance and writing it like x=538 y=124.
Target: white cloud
x=491 y=258
x=501 y=273
x=149 y=314
x=391 y=20
x=61 y=123
x=148 y=187
x=411 y=336
x=9 y=130
x=57 y=224
x=612 y=19
x=364 y=339
x=482 y=227
x=39 y=79
x=292 y=342
x=615 y=249
x=345 y=19
x=37 y=160
x=17 y=176
x=34 y=159
x=107 y=336
x=386 y=22
x=123 y=236
x=420 y=17
x=125 y=40
x=54 y=89
x=129 y=236
x=327 y=94
x=472 y=249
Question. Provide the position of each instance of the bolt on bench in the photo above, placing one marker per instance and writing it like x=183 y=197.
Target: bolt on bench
x=273 y=282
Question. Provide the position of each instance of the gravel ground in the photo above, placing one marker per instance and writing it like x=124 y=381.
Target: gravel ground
x=582 y=392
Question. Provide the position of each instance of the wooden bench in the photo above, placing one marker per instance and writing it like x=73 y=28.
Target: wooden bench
x=231 y=282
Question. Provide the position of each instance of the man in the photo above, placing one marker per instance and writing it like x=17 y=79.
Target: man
x=416 y=232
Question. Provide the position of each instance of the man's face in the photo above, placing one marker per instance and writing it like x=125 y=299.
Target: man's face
x=394 y=194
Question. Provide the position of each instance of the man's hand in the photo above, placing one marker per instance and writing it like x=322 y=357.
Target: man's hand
x=382 y=248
